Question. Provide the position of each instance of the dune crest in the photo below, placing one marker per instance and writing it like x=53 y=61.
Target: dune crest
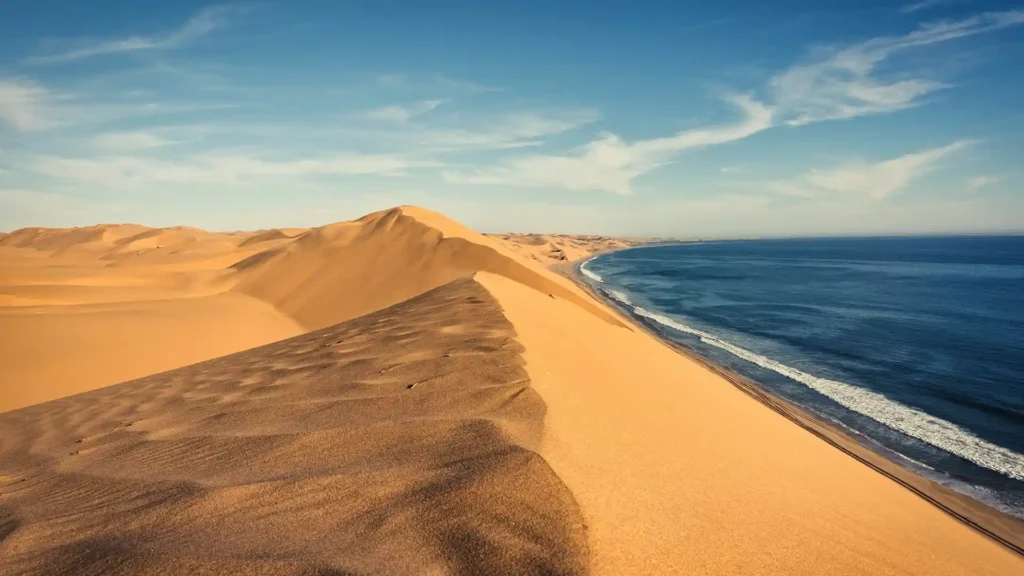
x=438 y=401
x=554 y=250
x=82 y=308
x=401 y=442
x=342 y=271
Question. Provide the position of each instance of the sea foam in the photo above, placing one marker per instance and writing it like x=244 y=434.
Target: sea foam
x=589 y=274
x=911 y=421
x=616 y=295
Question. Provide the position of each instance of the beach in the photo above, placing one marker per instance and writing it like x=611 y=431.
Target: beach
x=400 y=394
x=1004 y=528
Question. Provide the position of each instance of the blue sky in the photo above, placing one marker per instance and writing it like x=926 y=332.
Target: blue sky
x=719 y=119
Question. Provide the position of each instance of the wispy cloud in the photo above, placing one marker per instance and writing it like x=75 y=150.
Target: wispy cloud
x=845 y=83
x=434 y=82
x=25 y=207
x=506 y=131
x=840 y=83
x=127 y=141
x=876 y=181
x=609 y=164
x=468 y=131
x=26 y=106
x=122 y=172
x=404 y=113
x=978 y=182
x=467 y=85
x=928 y=4
x=199 y=25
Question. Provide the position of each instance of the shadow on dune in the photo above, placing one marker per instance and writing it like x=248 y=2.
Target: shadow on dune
x=400 y=442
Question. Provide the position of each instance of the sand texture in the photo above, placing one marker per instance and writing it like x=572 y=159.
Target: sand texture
x=88 y=307
x=554 y=249
x=309 y=456
x=402 y=395
x=679 y=472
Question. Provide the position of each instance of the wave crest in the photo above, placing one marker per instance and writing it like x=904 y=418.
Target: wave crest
x=619 y=296
x=910 y=421
x=589 y=274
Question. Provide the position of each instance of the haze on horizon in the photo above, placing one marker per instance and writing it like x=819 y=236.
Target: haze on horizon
x=576 y=117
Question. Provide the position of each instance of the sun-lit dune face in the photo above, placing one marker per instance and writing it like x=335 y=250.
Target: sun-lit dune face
x=264 y=236
x=345 y=270
x=432 y=396
x=87 y=307
x=401 y=442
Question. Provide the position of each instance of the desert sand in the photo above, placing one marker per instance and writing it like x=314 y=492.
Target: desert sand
x=553 y=250
x=426 y=400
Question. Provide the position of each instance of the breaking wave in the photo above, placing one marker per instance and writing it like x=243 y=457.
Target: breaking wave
x=589 y=274
x=619 y=296
x=910 y=421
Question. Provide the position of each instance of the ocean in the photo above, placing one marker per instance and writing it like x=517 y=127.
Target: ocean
x=914 y=345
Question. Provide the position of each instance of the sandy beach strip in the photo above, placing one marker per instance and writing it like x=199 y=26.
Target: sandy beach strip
x=1006 y=529
x=678 y=471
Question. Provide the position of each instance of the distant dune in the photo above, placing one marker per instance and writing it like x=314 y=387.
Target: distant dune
x=400 y=394
x=551 y=249
x=263 y=237
x=383 y=258
x=88 y=307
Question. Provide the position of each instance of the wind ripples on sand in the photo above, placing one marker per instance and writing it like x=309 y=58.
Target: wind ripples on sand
x=921 y=425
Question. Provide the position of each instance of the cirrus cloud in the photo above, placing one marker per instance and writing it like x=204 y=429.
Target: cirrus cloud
x=202 y=23
x=871 y=180
x=609 y=163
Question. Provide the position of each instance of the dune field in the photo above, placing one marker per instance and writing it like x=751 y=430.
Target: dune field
x=401 y=395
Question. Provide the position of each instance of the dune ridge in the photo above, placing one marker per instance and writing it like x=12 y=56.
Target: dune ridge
x=676 y=468
x=72 y=301
x=399 y=442
x=345 y=270
x=458 y=408
x=553 y=250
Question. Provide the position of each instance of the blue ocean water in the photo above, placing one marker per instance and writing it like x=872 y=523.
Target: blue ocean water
x=914 y=344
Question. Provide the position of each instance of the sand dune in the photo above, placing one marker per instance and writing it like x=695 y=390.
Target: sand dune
x=132 y=301
x=554 y=249
x=310 y=456
x=55 y=351
x=265 y=236
x=345 y=270
x=678 y=472
x=459 y=408
x=88 y=307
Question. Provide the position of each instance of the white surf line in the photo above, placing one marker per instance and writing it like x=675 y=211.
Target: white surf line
x=910 y=421
x=589 y=274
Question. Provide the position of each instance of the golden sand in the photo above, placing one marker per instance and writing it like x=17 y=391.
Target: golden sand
x=436 y=402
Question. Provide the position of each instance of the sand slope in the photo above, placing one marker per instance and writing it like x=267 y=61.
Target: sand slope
x=87 y=307
x=338 y=272
x=678 y=472
x=310 y=456
x=608 y=454
x=113 y=302
x=50 y=352
x=554 y=249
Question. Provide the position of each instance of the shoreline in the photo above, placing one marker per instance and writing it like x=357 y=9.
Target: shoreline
x=1003 y=528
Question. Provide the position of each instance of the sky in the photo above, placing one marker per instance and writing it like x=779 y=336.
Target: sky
x=683 y=119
